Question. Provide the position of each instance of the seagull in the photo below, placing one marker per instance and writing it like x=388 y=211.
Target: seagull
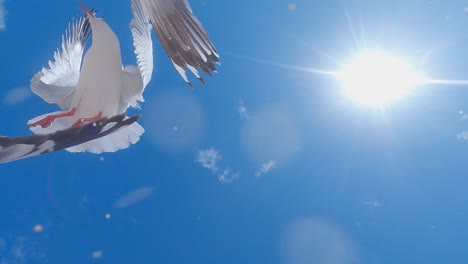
x=12 y=149
x=91 y=85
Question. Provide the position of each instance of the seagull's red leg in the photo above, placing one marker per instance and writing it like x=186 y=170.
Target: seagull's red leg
x=87 y=119
x=48 y=120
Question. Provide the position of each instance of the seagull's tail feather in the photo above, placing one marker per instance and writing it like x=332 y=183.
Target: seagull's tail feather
x=119 y=140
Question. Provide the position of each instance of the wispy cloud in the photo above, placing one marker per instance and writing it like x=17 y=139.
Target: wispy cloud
x=17 y=95
x=3 y=13
x=97 y=254
x=209 y=159
x=463 y=135
x=373 y=203
x=133 y=197
x=463 y=115
x=227 y=176
x=266 y=168
x=243 y=111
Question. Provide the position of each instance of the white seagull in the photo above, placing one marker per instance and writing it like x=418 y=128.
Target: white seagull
x=100 y=86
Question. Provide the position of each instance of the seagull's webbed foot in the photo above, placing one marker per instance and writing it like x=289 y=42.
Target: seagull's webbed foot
x=87 y=119
x=48 y=120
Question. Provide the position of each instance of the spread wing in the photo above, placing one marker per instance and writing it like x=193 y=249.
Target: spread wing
x=134 y=80
x=141 y=32
x=182 y=35
x=57 y=83
x=29 y=146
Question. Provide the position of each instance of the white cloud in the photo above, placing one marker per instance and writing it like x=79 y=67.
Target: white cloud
x=227 y=176
x=16 y=95
x=3 y=13
x=209 y=158
x=266 y=168
x=373 y=203
x=243 y=111
x=463 y=115
x=97 y=254
x=463 y=135
x=134 y=197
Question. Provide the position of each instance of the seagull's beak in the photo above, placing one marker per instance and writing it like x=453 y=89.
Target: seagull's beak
x=85 y=9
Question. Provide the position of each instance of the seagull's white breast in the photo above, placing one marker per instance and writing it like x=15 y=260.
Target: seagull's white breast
x=100 y=82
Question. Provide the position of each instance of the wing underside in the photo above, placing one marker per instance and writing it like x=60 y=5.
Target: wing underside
x=28 y=146
x=182 y=36
x=56 y=84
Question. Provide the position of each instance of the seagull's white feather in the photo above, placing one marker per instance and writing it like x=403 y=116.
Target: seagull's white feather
x=57 y=83
x=132 y=88
x=182 y=35
x=113 y=142
x=134 y=80
x=141 y=32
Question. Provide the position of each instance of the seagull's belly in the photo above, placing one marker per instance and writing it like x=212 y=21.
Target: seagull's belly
x=102 y=96
x=99 y=86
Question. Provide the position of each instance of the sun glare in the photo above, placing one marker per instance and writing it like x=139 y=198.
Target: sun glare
x=377 y=78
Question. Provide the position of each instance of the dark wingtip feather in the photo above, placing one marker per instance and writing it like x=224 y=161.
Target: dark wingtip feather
x=28 y=146
x=183 y=36
x=202 y=80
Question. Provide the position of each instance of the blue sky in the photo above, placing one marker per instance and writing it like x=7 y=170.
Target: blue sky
x=267 y=163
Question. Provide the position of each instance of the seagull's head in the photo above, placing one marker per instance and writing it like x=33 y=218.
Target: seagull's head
x=91 y=15
x=99 y=27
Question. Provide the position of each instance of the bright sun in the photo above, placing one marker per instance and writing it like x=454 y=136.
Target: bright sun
x=377 y=78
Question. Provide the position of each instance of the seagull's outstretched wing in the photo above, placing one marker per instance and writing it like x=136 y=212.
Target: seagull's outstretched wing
x=141 y=32
x=182 y=35
x=57 y=83
x=29 y=146
x=134 y=80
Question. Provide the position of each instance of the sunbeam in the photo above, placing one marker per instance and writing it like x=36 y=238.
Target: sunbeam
x=373 y=78
x=449 y=82
x=283 y=65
